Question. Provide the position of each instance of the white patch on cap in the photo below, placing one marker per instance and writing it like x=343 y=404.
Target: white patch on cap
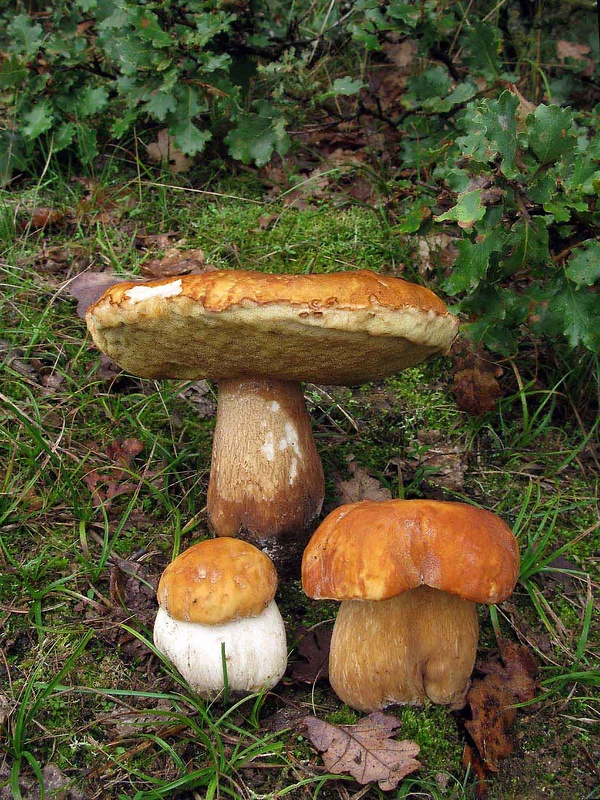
x=275 y=406
x=139 y=293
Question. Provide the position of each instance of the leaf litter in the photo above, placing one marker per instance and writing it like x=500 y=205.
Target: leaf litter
x=365 y=750
x=491 y=700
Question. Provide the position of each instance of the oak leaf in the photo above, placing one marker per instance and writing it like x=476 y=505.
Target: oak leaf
x=313 y=651
x=361 y=486
x=492 y=702
x=365 y=750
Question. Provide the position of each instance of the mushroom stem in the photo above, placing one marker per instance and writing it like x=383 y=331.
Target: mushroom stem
x=254 y=647
x=420 y=644
x=266 y=482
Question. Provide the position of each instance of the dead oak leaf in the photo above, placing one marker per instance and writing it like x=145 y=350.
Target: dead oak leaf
x=313 y=652
x=176 y=262
x=164 y=151
x=361 y=486
x=88 y=287
x=491 y=701
x=365 y=750
x=579 y=52
x=475 y=385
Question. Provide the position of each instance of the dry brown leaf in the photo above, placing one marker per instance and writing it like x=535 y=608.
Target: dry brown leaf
x=361 y=486
x=566 y=50
x=435 y=249
x=402 y=54
x=365 y=750
x=313 y=650
x=491 y=701
x=176 y=262
x=524 y=109
x=164 y=151
x=106 y=484
x=476 y=391
x=475 y=384
x=90 y=286
x=43 y=217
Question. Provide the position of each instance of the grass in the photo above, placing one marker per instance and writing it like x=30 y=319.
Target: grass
x=87 y=530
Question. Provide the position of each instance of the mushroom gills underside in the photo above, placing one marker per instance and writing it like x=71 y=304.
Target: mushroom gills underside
x=416 y=646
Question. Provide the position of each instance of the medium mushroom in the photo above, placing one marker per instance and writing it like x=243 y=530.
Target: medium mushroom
x=408 y=573
x=218 y=622
x=259 y=336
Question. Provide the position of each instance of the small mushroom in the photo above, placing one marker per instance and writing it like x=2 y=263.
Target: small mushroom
x=218 y=622
x=259 y=336
x=408 y=573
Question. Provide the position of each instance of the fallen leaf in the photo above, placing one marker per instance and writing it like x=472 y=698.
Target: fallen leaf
x=176 y=262
x=524 y=109
x=475 y=385
x=402 y=54
x=435 y=250
x=365 y=750
x=90 y=286
x=313 y=651
x=43 y=217
x=361 y=486
x=164 y=151
x=491 y=701
x=566 y=50
x=110 y=482
x=6 y=708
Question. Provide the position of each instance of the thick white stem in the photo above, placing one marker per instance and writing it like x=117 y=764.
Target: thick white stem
x=421 y=644
x=254 y=649
x=266 y=481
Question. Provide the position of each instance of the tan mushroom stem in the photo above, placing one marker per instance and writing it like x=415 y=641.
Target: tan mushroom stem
x=266 y=481
x=420 y=644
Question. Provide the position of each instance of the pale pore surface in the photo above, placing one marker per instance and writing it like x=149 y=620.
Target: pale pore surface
x=255 y=651
x=161 y=332
x=421 y=644
x=266 y=478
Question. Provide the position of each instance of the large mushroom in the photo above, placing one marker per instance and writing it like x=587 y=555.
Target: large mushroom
x=408 y=573
x=259 y=336
x=218 y=622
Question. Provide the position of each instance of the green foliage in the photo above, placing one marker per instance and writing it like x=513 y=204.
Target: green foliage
x=519 y=180
x=524 y=192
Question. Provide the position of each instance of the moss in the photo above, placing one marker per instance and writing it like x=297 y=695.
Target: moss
x=434 y=729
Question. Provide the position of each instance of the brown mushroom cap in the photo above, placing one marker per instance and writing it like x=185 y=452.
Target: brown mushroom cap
x=377 y=550
x=338 y=328
x=216 y=581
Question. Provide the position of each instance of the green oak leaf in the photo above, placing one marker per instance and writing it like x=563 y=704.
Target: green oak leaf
x=550 y=133
x=344 y=87
x=482 y=45
x=160 y=104
x=91 y=101
x=25 y=36
x=188 y=137
x=472 y=263
x=38 y=120
x=583 y=268
x=529 y=246
x=468 y=210
x=581 y=320
x=258 y=135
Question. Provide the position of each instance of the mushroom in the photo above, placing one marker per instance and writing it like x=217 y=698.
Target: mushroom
x=259 y=336
x=218 y=622
x=408 y=573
